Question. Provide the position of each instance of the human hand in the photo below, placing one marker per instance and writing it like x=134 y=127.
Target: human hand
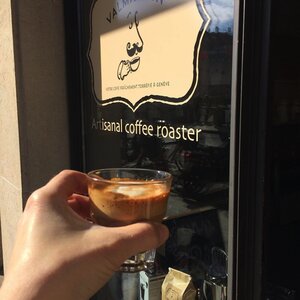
x=60 y=255
x=123 y=69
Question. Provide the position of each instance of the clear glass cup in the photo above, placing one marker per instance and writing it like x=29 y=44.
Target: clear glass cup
x=122 y=196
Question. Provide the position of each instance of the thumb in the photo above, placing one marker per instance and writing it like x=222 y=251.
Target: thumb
x=143 y=236
x=125 y=241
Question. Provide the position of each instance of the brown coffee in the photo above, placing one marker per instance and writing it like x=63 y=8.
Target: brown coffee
x=117 y=202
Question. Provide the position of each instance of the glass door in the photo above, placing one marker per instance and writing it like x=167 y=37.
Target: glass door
x=156 y=92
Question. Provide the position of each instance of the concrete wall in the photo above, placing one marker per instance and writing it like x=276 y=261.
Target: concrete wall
x=34 y=132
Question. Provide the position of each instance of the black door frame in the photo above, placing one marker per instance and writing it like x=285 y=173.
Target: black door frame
x=248 y=145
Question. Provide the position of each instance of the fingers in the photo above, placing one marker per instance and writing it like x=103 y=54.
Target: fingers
x=80 y=204
x=67 y=183
x=59 y=189
x=140 y=237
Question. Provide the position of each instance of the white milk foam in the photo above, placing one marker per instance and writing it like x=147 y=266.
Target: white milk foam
x=131 y=191
x=138 y=191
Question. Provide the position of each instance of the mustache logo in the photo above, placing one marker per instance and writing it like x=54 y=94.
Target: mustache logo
x=135 y=48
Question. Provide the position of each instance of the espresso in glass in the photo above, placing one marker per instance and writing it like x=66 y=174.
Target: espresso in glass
x=124 y=196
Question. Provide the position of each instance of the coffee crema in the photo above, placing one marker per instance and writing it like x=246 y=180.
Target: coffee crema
x=124 y=201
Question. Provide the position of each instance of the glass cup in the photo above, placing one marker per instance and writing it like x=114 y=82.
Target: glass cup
x=122 y=196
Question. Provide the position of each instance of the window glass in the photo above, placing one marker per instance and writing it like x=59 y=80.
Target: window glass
x=157 y=94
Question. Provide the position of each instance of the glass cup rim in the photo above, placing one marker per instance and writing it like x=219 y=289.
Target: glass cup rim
x=96 y=178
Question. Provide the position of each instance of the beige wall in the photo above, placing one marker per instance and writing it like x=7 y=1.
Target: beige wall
x=10 y=170
x=34 y=129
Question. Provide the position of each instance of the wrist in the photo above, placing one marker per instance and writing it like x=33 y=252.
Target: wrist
x=29 y=283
